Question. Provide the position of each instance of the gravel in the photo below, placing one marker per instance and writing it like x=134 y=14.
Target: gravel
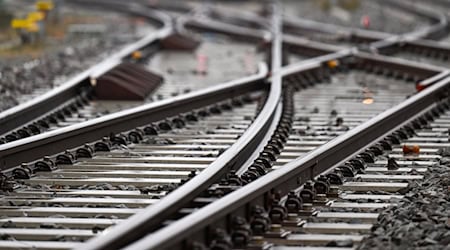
x=421 y=219
x=391 y=20
x=21 y=77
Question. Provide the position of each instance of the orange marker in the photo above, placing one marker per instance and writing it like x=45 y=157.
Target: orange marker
x=411 y=149
x=136 y=55
x=333 y=64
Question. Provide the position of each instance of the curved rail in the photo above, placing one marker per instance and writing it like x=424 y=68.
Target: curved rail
x=144 y=222
x=239 y=17
x=293 y=42
x=440 y=20
x=379 y=39
x=220 y=27
x=291 y=23
x=141 y=223
x=32 y=148
x=24 y=113
x=293 y=174
x=440 y=26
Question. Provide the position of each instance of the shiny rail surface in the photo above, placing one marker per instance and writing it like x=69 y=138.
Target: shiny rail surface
x=293 y=175
x=39 y=107
x=285 y=149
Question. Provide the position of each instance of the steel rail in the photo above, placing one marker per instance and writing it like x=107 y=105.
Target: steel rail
x=315 y=62
x=133 y=7
x=149 y=241
x=297 y=43
x=293 y=174
x=430 y=74
x=32 y=148
x=275 y=69
x=225 y=28
x=388 y=48
x=240 y=16
x=143 y=222
x=305 y=65
x=444 y=3
x=169 y=5
x=295 y=23
x=300 y=23
x=439 y=27
x=292 y=43
x=308 y=47
x=224 y=14
x=37 y=107
x=421 y=69
x=379 y=39
x=441 y=22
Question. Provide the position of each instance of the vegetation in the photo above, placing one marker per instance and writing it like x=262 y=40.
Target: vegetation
x=350 y=5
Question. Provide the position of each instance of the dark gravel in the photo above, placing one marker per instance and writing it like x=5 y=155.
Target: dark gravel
x=421 y=219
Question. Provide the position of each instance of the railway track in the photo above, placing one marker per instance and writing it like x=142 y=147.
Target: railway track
x=427 y=52
x=76 y=53
x=335 y=210
x=240 y=235
x=35 y=115
x=327 y=123
x=100 y=192
x=136 y=175
x=84 y=104
x=341 y=216
x=306 y=156
x=381 y=18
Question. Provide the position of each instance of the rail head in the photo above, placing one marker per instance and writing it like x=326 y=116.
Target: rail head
x=21 y=114
x=440 y=25
x=389 y=48
x=12 y=154
x=306 y=167
x=440 y=22
x=295 y=22
x=141 y=223
x=240 y=17
x=225 y=28
x=424 y=71
x=295 y=42
x=315 y=62
x=277 y=74
x=292 y=175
